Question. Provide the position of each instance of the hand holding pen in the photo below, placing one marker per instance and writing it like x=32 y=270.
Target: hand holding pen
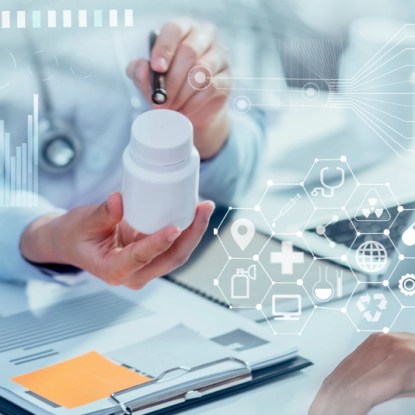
x=180 y=46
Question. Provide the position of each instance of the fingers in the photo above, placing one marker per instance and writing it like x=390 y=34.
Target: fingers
x=211 y=99
x=139 y=72
x=216 y=61
x=181 y=46
x=122 y=262
x=105 y=217
x=178 y=253
x=127 y=234
x=375 y=372
x=192 y=48
x=169 y=39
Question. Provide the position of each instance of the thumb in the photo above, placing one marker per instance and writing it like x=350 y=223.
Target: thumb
x=108 y=214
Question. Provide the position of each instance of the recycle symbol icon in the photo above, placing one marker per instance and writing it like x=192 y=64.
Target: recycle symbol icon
x=377 y=301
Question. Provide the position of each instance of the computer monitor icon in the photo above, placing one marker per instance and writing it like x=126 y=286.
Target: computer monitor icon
x=286 y=306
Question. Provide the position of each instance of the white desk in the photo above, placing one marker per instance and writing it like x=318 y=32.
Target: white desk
x=327 y=339
x=329 y=336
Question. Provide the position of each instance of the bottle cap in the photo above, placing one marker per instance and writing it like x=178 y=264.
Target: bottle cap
x=161 y=137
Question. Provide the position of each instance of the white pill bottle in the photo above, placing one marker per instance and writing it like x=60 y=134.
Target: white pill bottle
x=161 y=172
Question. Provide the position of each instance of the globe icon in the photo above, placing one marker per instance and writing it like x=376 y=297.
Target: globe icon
x=371 y=256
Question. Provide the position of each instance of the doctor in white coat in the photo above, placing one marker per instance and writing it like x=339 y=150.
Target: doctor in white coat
x=78 y=223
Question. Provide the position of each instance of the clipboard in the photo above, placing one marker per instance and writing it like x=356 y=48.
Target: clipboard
x=159 y=305
x=242 y=381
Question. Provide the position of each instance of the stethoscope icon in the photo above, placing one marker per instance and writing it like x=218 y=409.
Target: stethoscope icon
x=328 y=189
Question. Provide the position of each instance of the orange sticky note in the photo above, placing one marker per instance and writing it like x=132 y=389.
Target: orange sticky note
x=80 y=381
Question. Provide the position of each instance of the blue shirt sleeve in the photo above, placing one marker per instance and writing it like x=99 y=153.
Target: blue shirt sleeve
x=13 y=222
x=225 y=177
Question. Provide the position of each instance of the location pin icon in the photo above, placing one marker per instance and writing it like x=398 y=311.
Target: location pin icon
x=243 y=231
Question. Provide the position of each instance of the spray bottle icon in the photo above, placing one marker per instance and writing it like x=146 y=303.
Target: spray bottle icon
x=240 y=282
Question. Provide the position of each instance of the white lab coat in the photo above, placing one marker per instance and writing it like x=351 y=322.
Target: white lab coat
x=99 y=107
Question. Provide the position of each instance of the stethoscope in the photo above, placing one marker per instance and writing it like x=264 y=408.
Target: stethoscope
x=328 y=189
x=60 y=146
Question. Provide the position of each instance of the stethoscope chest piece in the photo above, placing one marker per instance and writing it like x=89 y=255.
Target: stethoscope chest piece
x=59 y=147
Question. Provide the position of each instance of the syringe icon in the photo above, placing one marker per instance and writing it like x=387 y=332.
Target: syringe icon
x=286 y=208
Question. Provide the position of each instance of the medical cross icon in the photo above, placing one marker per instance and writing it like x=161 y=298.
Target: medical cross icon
x=287 y=258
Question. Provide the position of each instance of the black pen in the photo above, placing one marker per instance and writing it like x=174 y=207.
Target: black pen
x=158 y=84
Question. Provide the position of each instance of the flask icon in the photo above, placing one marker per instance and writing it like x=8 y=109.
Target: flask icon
x=241 y=282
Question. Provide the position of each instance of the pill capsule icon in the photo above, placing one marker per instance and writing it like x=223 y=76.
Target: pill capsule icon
x=408 y=237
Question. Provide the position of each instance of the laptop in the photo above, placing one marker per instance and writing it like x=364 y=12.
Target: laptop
x=307 y=256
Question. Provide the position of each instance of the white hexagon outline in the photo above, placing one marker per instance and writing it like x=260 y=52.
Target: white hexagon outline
x=391 y=274
x=388 y=186
x=358 y=235
x=342 y=159
x=272 y=183
x=343 y=208
x=216 y=282
x=257 y=209
x=275 y=236
x=385 y=329
x=318 y=305
x=401 y=256
x=313 y=309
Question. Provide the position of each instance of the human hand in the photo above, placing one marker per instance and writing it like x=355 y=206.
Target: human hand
x=380 y=369
x=181 y=45
x=98 y=240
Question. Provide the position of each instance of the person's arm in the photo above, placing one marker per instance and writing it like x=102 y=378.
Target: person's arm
x=13 y=222
x=380 y=369
x=225 y=177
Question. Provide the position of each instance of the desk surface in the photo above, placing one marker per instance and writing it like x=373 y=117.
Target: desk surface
x=327 y=339
x=329 y=336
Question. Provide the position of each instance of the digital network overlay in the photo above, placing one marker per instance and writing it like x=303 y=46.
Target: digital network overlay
x=381 y=93
x=347 y=257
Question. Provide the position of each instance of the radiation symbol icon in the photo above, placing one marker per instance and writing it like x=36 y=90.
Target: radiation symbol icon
x=372 y=208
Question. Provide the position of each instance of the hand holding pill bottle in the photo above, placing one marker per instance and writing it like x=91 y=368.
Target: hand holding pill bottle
x=161 y=172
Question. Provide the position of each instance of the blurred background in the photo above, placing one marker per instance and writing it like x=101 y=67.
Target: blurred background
x=313 y=67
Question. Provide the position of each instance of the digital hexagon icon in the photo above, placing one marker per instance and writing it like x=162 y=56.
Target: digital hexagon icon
x=285 y=260
x=243 y=283
x=243 y=232
x=286 y=207
x=373 y=208
x=330 y=183
x=328 y=231
x=372 y=253
x=329 y=285
x=287 y=314
x=403 y=275
x=374 y=310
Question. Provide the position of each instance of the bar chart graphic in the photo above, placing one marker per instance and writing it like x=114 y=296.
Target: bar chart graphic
x=19 y=164
x=53 y=19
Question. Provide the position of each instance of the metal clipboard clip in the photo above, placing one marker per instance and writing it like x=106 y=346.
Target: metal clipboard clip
x=245 y=375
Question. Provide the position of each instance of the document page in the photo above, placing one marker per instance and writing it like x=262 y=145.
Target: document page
x=139 y=335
